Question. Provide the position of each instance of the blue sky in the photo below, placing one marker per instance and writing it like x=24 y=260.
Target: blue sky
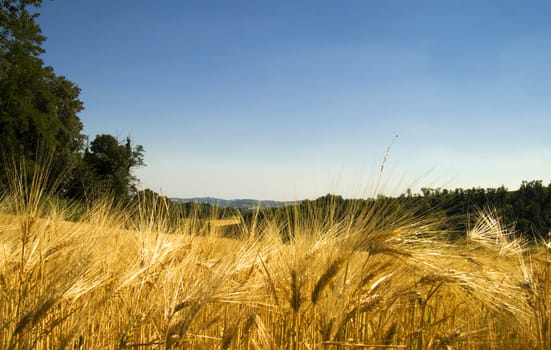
x=295 y=99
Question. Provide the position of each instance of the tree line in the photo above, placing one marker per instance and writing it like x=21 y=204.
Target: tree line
x=39 y=120
x=525 y=212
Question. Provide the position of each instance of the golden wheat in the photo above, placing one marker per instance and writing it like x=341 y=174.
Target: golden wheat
x=370 y=279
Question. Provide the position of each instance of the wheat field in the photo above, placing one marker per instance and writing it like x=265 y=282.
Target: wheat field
x=374 y=280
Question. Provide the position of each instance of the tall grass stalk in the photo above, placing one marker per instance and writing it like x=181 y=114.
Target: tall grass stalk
x=365 y=278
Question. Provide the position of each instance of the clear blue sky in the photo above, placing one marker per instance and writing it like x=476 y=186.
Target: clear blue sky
x=294 y=99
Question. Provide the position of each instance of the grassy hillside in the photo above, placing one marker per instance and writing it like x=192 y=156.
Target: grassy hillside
x=371 y=280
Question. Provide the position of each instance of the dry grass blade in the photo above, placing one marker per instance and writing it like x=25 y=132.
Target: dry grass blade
x=325 y=278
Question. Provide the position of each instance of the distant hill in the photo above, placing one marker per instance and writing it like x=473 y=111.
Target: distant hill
x=235 y=203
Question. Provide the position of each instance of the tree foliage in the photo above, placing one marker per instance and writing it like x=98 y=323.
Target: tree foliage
x=39 y=115
x=106 y=168
x=38 y=109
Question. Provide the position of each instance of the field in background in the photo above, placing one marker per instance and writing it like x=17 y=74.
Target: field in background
x=373 y=280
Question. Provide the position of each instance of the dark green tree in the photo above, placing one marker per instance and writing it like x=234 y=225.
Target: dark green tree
x=107 y=169
x=39 y=117
x=38 y=109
